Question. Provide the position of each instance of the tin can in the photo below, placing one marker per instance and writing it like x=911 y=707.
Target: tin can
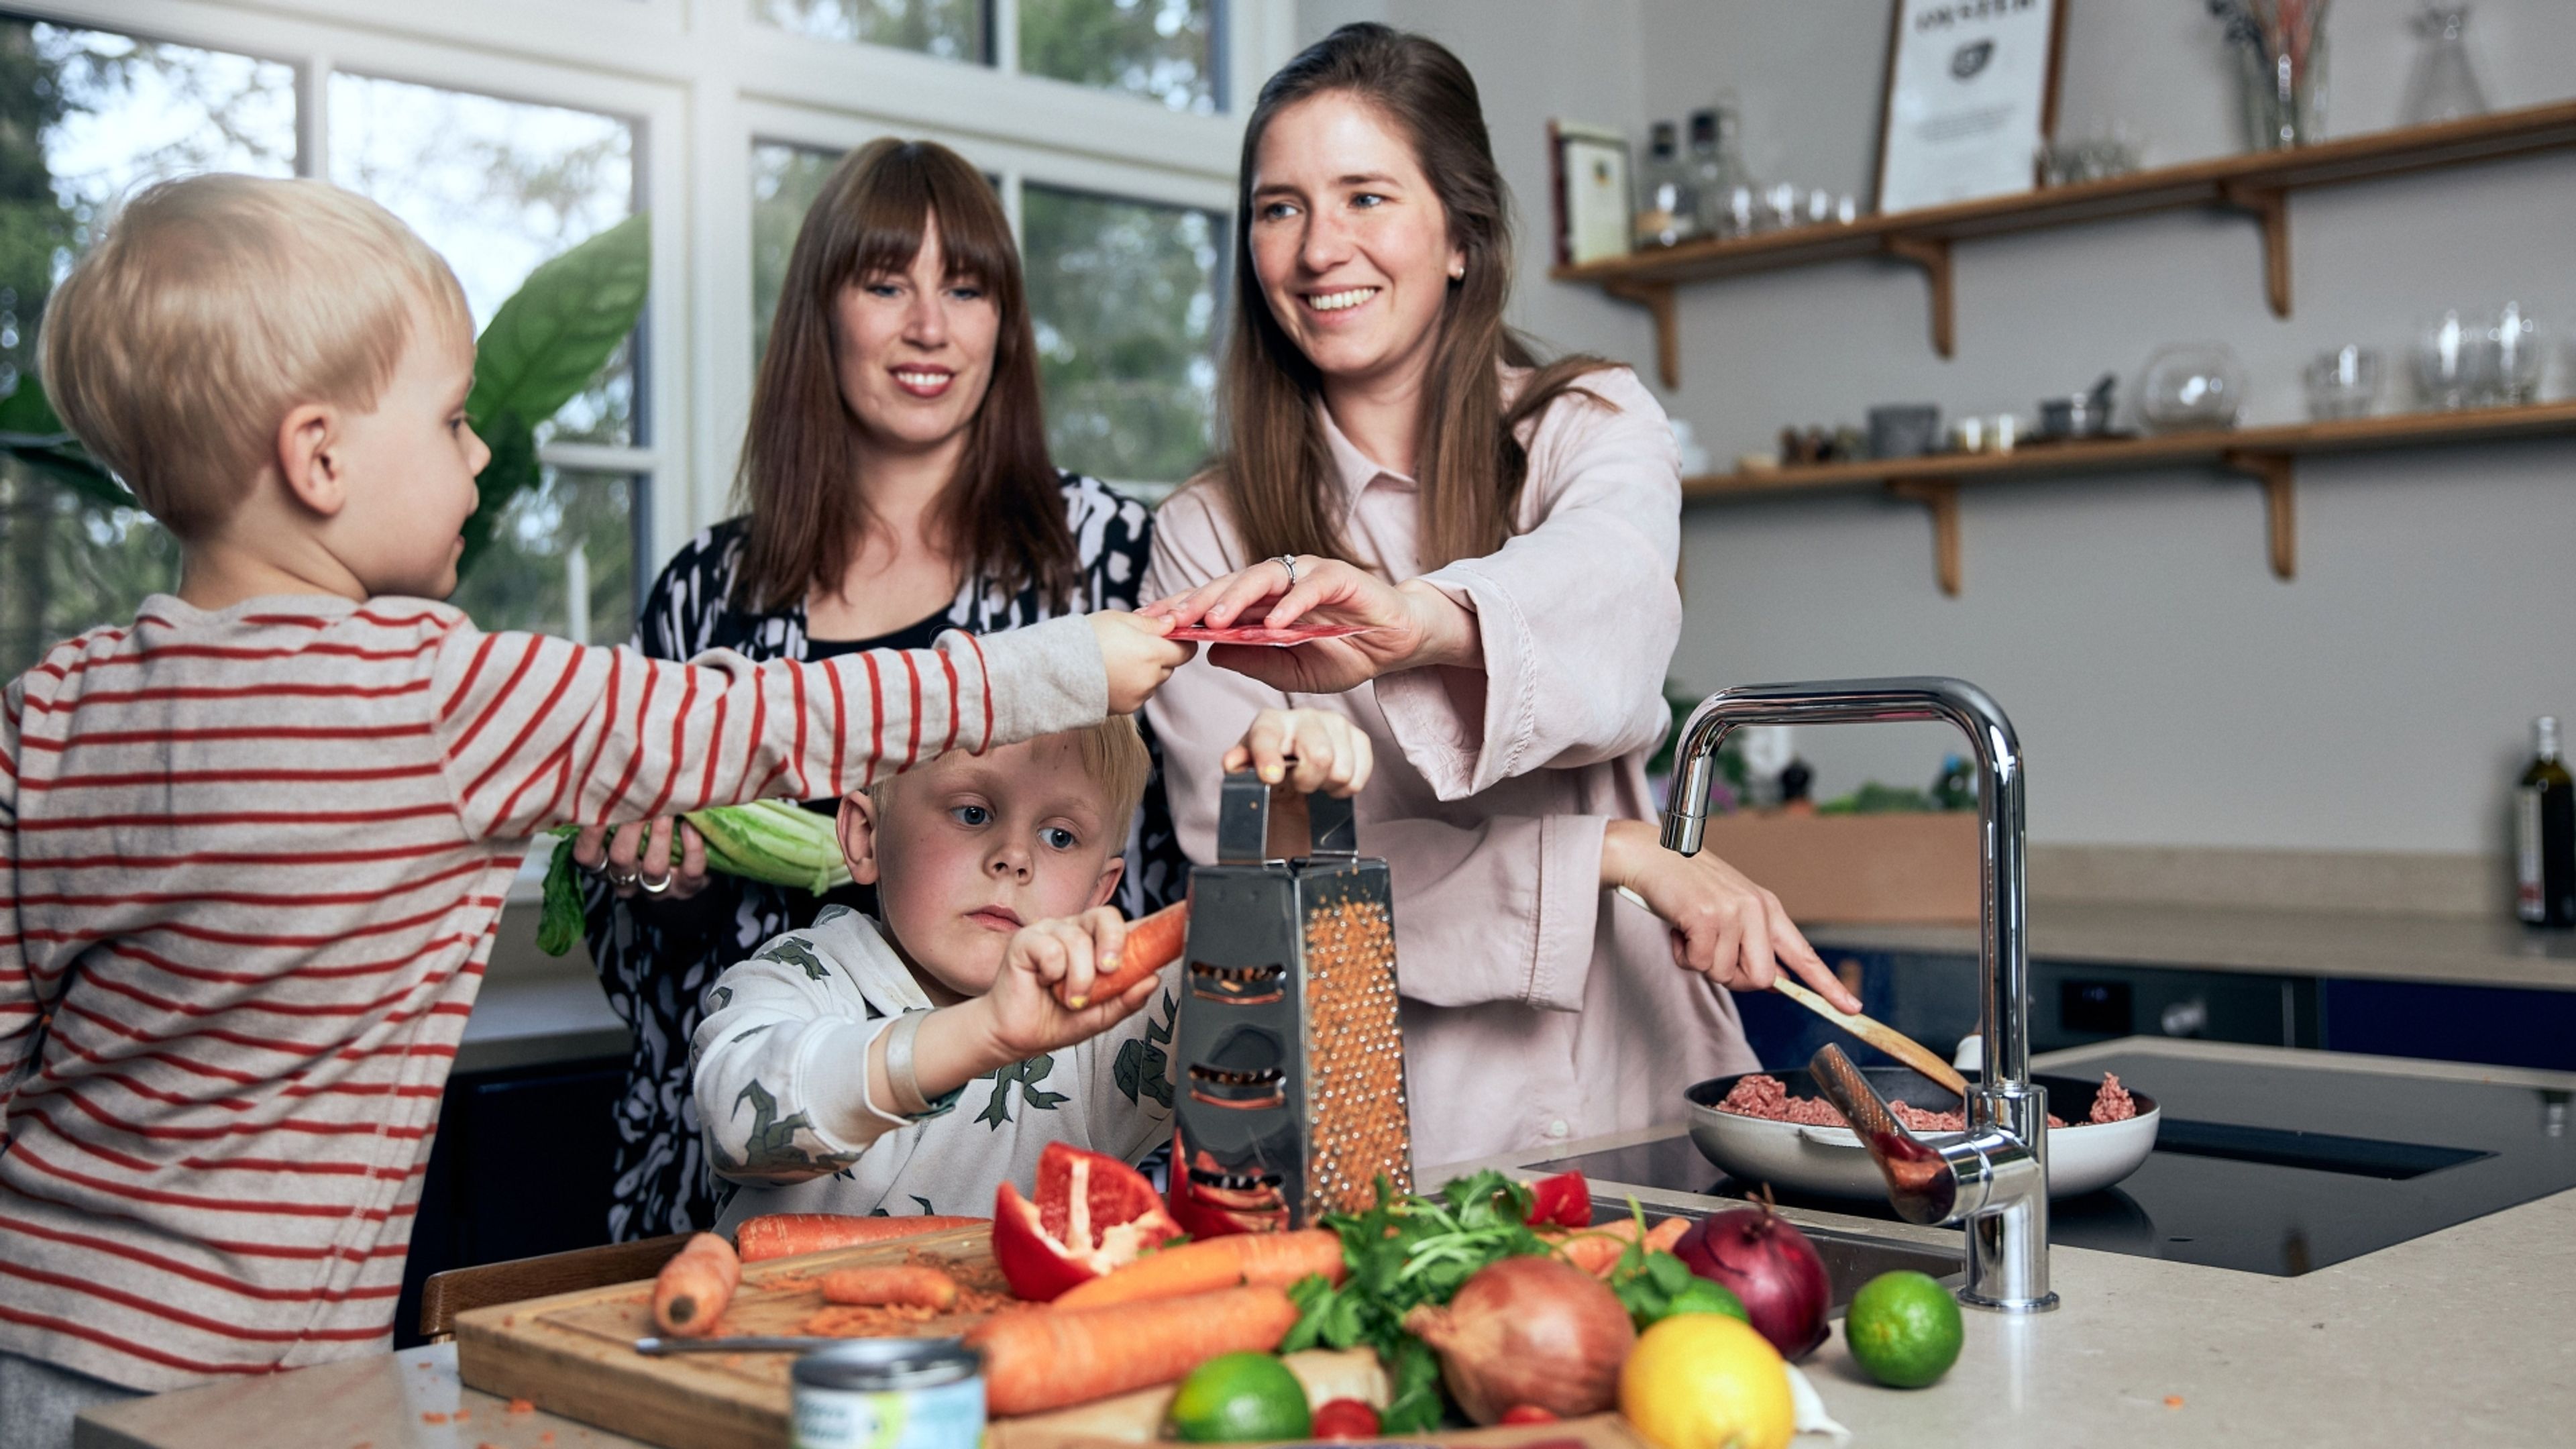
x=889 y=1393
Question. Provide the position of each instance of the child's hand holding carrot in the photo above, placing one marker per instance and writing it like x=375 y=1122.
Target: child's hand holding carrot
x=1050 y=963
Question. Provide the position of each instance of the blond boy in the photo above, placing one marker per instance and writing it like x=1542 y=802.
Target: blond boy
x=992 y=874
x=255 y=843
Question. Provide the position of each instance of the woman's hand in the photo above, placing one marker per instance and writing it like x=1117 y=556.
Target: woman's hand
x=1410 y=625
x=1022 y=1013
x=1297 y=752
x=1724 y=926
x=1305 y=750
x=636 y=858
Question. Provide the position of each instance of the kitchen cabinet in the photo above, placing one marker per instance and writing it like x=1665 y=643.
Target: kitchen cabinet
x=523 y=1165
x=1932 y=997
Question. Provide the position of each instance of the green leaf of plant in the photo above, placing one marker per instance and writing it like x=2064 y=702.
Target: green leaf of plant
x=554 y=334
x=512 y=471
x=32 y=433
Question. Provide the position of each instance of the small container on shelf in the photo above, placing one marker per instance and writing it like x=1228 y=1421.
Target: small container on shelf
x=2455 y=362
x=2191 y=387
x=2343 y=383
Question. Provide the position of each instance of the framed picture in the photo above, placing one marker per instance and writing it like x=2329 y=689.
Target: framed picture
x=1589 y=165
x=1971 y=98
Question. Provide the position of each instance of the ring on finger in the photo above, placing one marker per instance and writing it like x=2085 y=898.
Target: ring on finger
x=620 y=878
x=1288 y=562
x=650 y=885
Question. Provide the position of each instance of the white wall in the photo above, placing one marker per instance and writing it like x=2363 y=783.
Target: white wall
x=2169 y=689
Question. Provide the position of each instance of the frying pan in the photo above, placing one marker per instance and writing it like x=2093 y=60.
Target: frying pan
x=1831 y=1161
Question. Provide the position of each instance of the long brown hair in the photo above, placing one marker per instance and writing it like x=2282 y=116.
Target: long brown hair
x=1469 y=465
x=1003 y=514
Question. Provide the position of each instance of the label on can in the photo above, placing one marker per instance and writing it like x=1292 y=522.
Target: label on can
x=917 y=1401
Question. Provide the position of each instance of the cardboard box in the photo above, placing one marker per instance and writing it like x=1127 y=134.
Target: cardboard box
x=1859 y=868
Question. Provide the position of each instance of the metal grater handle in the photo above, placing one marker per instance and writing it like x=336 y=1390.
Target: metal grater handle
x=1243 y=823
x=1242 y=819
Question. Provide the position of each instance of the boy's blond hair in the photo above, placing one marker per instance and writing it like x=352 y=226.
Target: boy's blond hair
x=1113 y=757
x=214 y=306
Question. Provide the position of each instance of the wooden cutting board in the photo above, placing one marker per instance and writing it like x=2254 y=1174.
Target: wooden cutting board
x=574 y=1354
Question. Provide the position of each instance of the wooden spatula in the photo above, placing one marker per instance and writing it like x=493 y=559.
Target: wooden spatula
x=1877 y=1033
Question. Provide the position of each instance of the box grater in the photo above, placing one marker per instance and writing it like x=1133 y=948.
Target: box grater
x=1291 y=1080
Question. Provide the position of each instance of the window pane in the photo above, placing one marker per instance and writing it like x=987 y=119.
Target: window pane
x=784 y=182
x=86 y=117
x=497 y=187
x=561 y=559
x=1124 y=295
x=949 y=29
x=1165 y=49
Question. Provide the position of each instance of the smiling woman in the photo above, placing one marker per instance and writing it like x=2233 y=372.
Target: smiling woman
x=1507 y=533
x=896 y=484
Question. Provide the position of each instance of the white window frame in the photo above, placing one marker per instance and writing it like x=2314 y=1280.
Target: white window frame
x=702 y=82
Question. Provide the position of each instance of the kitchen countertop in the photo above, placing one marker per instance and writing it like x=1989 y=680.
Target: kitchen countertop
x=2447 y=949
x=2457 y=1337
x=535 y=1009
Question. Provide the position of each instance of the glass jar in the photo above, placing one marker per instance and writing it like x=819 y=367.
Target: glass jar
x=2285 y=91
x=2191 y=386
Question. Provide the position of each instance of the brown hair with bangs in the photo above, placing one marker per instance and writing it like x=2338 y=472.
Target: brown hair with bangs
x=1469 y=463
x=1003 y=514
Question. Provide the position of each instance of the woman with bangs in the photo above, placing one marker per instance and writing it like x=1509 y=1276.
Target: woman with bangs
x=1507 y=532
x=896 y=484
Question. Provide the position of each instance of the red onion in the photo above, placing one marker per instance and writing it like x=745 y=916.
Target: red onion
x=1528 y=1331
x=1768 y=1263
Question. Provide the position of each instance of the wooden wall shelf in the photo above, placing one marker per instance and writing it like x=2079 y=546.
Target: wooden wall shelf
x=2257 y=183
x=2265 y=454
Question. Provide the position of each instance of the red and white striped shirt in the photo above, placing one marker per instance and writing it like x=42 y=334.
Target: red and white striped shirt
x=250 y=867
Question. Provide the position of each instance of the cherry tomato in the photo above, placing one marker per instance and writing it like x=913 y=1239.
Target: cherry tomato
x=1563 y=1201
x=1345 y=1419
x=1526 y=1414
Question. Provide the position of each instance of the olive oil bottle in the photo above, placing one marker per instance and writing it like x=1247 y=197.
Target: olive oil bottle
x=2544 y=827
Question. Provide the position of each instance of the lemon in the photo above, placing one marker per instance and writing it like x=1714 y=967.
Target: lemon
x=1904 y=1328
x=1707 y=1381
x=1240 y=1398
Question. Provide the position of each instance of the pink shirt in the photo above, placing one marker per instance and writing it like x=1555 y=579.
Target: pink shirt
x=1537 y=1007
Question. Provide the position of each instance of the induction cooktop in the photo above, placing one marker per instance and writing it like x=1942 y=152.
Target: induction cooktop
x=2260 y=1166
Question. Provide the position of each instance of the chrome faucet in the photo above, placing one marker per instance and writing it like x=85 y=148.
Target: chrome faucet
x=1995 y=1179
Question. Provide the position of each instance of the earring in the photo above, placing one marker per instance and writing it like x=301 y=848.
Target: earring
x=1458 y=273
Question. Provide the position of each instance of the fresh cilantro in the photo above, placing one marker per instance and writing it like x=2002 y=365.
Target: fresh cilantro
x=1402 y=1253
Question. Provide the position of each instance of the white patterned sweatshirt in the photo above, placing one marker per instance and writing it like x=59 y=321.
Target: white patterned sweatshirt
x=781 y=1080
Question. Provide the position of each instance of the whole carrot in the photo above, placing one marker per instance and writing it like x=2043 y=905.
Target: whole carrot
x=1153 y=942
x=782 y=1235
x=899 y=1285
x=1037 y=1359
x=1268 y=1259
x=694 y=1287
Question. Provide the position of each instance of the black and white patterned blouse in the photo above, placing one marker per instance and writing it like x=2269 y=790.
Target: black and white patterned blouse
x=656 y=958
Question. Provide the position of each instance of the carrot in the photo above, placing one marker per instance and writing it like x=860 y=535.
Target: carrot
x=783 y=1235
x=1037 y=1359
x=1661 y=1237
x=1153 y=942
x=1267 y=1259
x=903 y=1285
x=691 y=1293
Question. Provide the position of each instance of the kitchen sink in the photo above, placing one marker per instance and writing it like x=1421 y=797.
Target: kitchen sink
x=1850 y=1258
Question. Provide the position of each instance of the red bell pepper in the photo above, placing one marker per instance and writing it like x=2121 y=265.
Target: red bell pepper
x=1562 y=1201
x=1215 y=1212
x=1092 y=1213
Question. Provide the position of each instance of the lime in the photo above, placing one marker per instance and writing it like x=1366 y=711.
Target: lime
x=1703 y=1296
x=1904 y=1329
x=1240 y=1398
x=1706 y=1381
